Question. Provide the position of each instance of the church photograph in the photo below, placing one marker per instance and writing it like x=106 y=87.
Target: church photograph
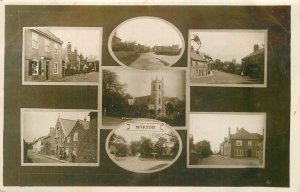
x=130 y=94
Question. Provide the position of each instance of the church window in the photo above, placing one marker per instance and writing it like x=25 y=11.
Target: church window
x=159 y=101
x=159 y=87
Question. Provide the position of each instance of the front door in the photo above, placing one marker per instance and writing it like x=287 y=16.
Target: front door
x=47 y=72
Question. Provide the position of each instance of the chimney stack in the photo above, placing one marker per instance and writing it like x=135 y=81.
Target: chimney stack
x=229 y=133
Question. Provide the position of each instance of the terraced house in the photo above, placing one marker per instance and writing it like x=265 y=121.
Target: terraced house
x=42 y=55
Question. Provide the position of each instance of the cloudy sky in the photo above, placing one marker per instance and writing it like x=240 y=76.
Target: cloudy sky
x=228 y=45
x=214 y=127
x=139 y=82
x=37 y=123
x=87 y=41
x=149 y=31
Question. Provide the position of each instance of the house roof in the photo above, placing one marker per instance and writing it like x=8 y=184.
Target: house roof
x=67 y=125
x=39 y=139
x=261 y=50
x=243 y=134
x=85 y=124
x=48 y=34
x=196 y=56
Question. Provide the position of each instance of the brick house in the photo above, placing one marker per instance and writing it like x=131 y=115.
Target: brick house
x=82 y=140
x=242 y=144
x=253 y=64
x=62 y=128
x=42 y=54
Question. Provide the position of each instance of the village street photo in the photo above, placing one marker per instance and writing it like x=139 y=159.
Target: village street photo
x=227 y=140
x=146 y=43
x=228 y=57
x=131 y=94
x=62 y=55
x=59 y=137
x=143 y=145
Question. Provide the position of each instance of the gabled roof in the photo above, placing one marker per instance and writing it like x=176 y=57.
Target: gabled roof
x=261 y=50
x=48 y=34
x=67 y=125
x=243 y=134
x=85 y=124
x=196 y=56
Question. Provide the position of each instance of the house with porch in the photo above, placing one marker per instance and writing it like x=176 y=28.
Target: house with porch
x=42 y=55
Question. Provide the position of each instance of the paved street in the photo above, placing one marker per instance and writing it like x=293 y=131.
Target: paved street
x=37 y=158
x=146 y=61
x=220 y=77
x=221 y=160
x=90 y=77
x=135 y=163
x=167 y=59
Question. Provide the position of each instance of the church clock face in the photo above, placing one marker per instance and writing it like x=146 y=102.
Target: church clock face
x=143 y=145
x=146 y=43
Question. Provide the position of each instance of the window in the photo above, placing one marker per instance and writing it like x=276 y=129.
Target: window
x=158 y=87
x=238 y=152
x=257 y=153
x=68 y=139
x=76 y=136
x=34 y=67
x=55 y=68
x=34 y=40
x=47 y=45
x=238 y=143
x=55 y=48
x=250 y=143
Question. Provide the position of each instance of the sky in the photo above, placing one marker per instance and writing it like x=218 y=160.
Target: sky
x=214 y=127
x=38 y=123
x=87 y=41
x=149 y=32
x=228 y=45
x=139 y=82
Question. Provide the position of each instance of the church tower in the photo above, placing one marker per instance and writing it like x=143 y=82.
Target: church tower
x=157 y=96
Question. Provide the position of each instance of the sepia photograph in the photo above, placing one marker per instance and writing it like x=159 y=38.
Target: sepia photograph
x=228 y=57
x=226 y=140
x=131 y=94
x=59 y=137
x=143 y=145
x=61 y=55
x=146 y=43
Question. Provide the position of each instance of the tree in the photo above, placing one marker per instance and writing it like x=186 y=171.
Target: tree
x=203 y=148
x=114 y=97
x=175 y=148
x=135 y=147
x=146 y=146
x=160 y=146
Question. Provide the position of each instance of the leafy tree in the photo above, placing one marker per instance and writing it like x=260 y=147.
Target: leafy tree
x=146 y=146
x=203 y=148
x=114 y=99
x=175 y=148
x=160 y=147
x=135 y=147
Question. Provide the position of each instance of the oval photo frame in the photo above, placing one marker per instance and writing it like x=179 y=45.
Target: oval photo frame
x=143 y=145
x=153 y=44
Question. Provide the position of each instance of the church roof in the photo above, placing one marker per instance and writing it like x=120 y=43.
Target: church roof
x=144 y=100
